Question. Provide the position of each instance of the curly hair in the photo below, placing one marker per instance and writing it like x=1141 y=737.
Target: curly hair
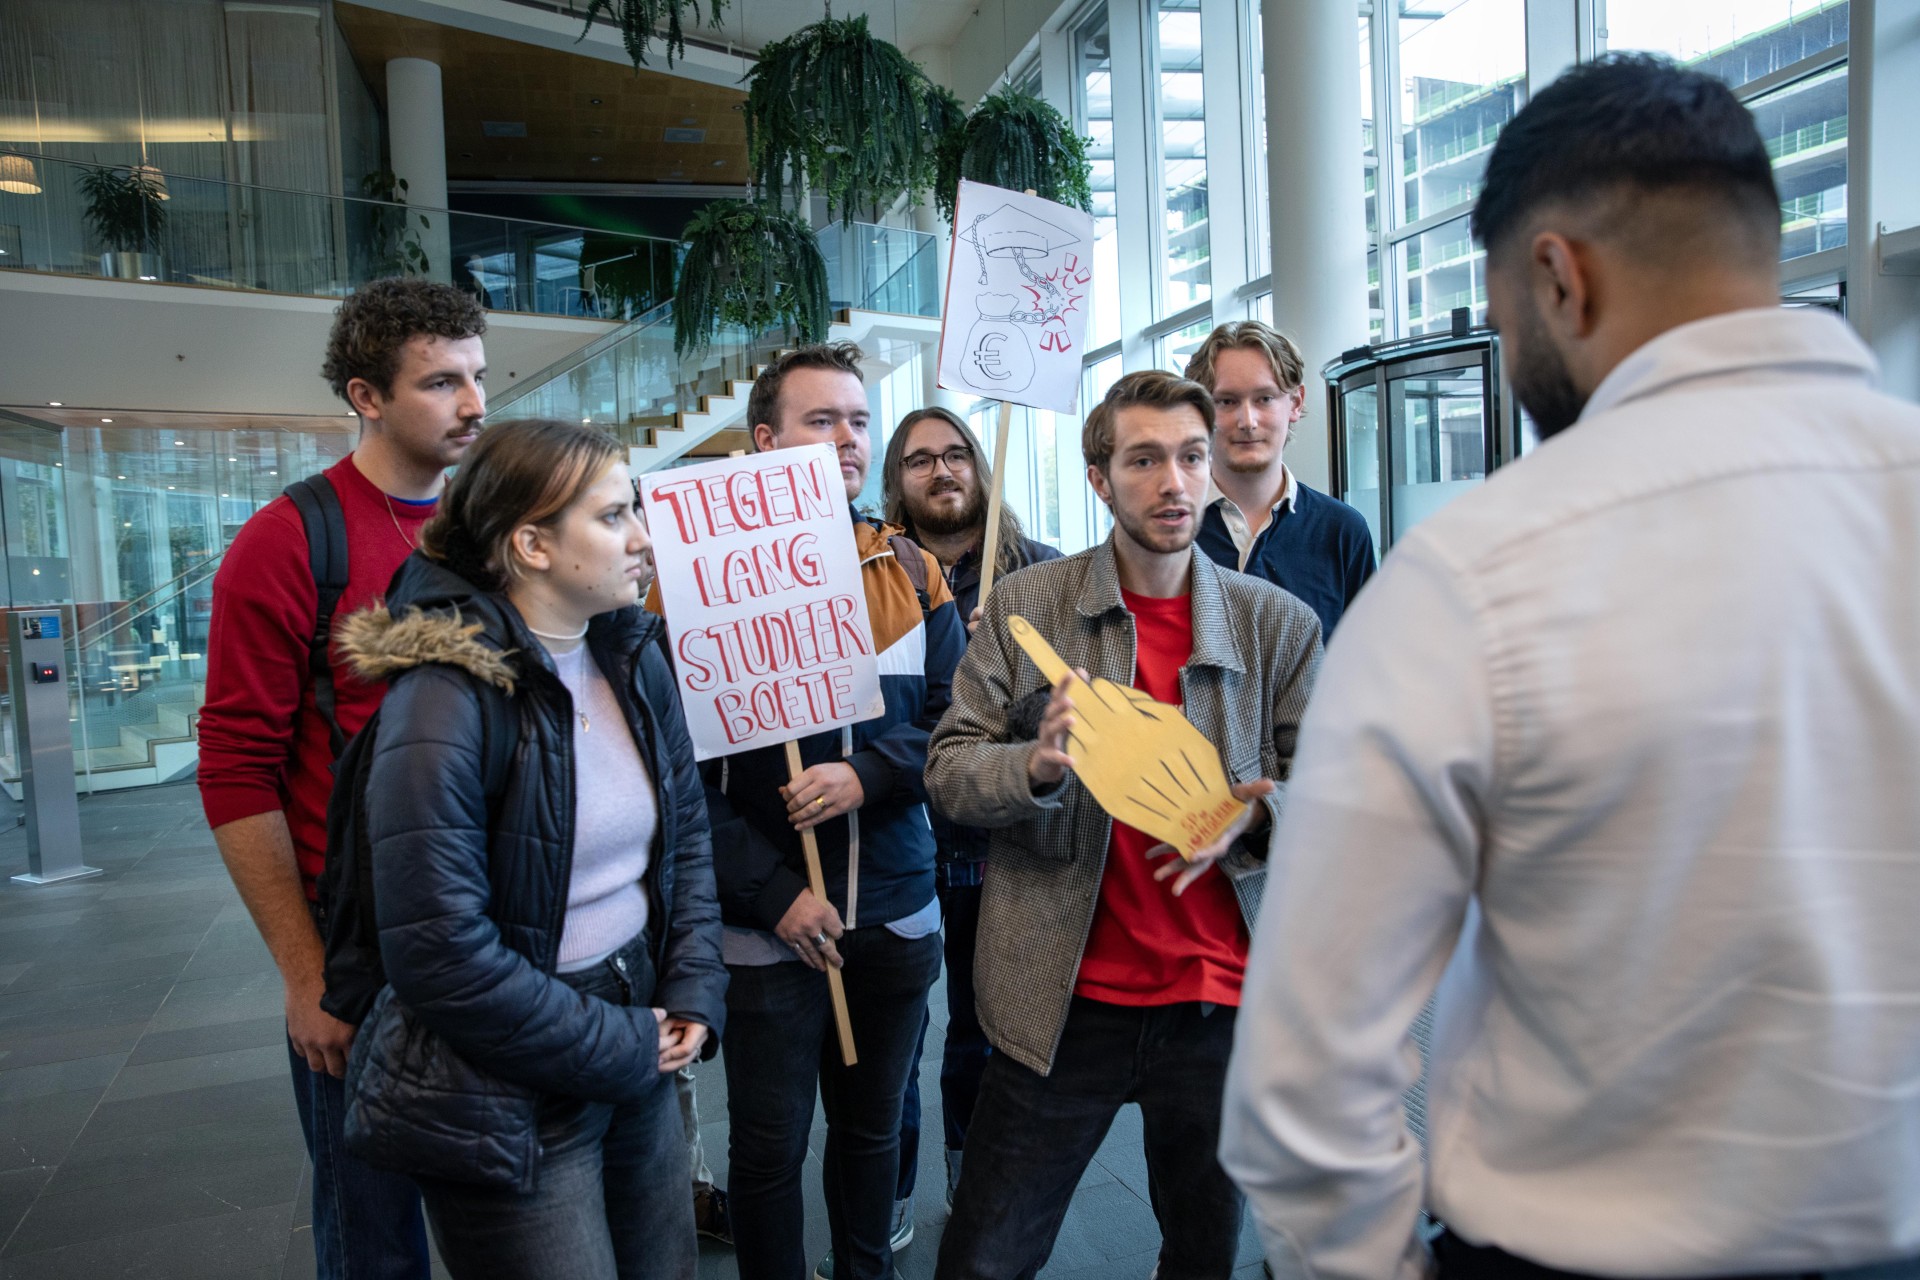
x=376 y=320
x=763 y=402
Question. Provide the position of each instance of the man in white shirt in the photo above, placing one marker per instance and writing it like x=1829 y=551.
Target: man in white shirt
x=1621 y=753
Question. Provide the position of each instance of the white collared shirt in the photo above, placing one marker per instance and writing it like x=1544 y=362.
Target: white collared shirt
x=1637 y=724
x=1243 y=534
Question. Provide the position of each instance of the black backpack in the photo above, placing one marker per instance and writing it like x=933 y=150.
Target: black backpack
x=348 y=929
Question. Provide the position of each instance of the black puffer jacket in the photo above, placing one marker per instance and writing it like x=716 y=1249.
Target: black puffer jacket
x=471 y=910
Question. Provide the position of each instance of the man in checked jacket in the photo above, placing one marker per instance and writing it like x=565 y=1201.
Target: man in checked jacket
x=1107 y=972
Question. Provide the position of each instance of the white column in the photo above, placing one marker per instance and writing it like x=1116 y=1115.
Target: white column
x=1883 y=183
x=417 y=137
x=1318 y=218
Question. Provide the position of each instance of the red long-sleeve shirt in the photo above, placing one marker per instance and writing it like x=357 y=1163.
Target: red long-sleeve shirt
x=263 y=744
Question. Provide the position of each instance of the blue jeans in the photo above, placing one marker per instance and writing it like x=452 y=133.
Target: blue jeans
x=366 y=1221
x=780 y=1045
x=610 y=1201
x=964 y=1059
x=1033 y=1136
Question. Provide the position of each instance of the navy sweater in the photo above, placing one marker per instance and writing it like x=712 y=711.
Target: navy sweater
x=1319 y=549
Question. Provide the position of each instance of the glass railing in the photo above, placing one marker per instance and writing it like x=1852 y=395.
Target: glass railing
x=879 y=268
x=98 y=221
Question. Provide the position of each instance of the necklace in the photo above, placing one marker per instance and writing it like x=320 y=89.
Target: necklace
x=575 y=687
x=411 y=544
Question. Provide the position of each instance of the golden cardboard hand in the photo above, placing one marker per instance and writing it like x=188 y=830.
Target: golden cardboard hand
x=1143 y=760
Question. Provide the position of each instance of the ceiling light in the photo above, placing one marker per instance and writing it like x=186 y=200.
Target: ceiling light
x=593 y=159
x=233 y=459
x=169 y=487
x=36 y=573
x=106 y=419
x=595 y=101
x=126 y=524
x=119 y=477
x=273 y=473
x=586 y=419
x=719 y=164
x=53 y=404
x=155 y=180
x=179 y=443
x=17 y=175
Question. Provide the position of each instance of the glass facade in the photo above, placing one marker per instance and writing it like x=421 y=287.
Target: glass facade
x=1186 y=252
x=1093 y=81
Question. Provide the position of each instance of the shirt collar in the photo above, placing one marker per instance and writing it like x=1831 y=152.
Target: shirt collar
x=1212 y=636
x=1770 y=338
x=1289 y=492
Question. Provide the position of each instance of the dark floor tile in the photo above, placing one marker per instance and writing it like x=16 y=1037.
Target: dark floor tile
x=226 y=962
x=235 y=997
x=18 y=1187
x=245 y=1102
x=62 y=972
x=23 y=1083
x=1137 y=1267
x=192 y=1151
x=218 y=1037
x=98 y=1004
x=24 y=1049
x=261 y=1062
x=300 y=1263
x=1104 y=1224
x=234 y=1246
x=60 y=1218
x=39 y=1131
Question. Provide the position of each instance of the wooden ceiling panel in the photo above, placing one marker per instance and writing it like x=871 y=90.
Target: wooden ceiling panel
x=574 y=108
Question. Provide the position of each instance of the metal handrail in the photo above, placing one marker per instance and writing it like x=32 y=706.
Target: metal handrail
x=93 y=630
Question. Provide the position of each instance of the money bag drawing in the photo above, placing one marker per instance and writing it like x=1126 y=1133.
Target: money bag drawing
x=1010 y=233
x=999 y=353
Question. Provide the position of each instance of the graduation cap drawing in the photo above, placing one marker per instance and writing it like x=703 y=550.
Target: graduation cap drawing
x=1008 y=232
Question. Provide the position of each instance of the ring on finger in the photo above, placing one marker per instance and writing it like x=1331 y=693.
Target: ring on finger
x=820 y=941
x=821 y=801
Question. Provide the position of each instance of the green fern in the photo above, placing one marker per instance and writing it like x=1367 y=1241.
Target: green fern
x=835 y=110
x=1016 y=141
x=753 y=265
x=638 y=20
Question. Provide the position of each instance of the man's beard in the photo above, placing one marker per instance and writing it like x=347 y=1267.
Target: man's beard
x=936 y=521
x=1541 y=381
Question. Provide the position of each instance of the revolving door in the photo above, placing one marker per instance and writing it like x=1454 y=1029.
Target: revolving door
x=1415 y=424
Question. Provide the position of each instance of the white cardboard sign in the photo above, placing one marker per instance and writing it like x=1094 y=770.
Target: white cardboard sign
x=760 y=582
x=1017 y=298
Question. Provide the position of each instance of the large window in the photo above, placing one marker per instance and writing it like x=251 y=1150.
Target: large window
x=1093 y=76
x=1749 y=43
x=1463 y=64
x=1186 y=263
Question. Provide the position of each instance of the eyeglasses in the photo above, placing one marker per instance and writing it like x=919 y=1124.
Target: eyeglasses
x=959 y=458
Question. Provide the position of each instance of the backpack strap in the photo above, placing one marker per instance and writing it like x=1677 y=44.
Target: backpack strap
x=326 y=524
x=914 y=561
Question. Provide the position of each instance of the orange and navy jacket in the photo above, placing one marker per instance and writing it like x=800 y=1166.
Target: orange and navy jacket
x=877 y=860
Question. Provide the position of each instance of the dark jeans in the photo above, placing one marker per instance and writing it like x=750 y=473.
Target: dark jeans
x=965 y=1055
x=1462 y=1261
x=611 y=1198
x=366 y=1221
x=1033 y=1136
x=780 y=1043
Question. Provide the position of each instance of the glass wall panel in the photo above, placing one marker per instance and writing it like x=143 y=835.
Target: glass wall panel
x=1436 y=447
x=1187 y=255
x=1259 y=237
x=1362 y=448
x=1094 y=102
x=1737 y=40
x=1463 y=66
x=1439 y=270
x=1173 y=351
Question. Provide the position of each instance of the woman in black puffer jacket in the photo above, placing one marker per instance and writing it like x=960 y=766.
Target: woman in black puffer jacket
x=553 y=949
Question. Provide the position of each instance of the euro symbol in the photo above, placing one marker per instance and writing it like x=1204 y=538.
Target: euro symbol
x=986 y=357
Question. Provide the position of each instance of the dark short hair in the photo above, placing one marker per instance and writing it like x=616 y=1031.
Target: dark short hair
x=1630 y=123
x=378 y=318
x=1149 y=388
x=527 y=471
x=763 y=402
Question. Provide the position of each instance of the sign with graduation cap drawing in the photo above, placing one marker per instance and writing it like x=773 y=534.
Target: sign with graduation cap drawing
x=1017 y=298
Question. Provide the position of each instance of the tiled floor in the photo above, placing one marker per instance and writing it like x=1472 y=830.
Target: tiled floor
x=147 y=1127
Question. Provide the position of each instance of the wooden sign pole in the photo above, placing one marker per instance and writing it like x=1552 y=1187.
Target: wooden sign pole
x=836 y=989
x=990 y=551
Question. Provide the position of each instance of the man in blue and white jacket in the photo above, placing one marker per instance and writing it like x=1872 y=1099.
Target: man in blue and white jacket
x=862 y=794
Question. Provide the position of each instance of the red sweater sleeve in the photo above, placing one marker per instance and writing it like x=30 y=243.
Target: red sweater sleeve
x=263 y=611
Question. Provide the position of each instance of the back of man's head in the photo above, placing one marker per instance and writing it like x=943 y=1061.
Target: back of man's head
x=1636 y=148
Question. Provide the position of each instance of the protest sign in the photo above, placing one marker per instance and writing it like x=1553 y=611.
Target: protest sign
x=1017 y=298
x=760 y=582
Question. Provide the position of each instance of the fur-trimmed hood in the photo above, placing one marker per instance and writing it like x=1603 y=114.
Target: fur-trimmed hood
x=380 y=646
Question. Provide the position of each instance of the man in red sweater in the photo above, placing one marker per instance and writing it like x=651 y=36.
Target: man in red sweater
x=406 y=355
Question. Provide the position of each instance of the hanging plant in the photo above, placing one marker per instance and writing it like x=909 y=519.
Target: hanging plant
x=750 y=264
x=837 y=111
x=639 y=21
x=1015 y=140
